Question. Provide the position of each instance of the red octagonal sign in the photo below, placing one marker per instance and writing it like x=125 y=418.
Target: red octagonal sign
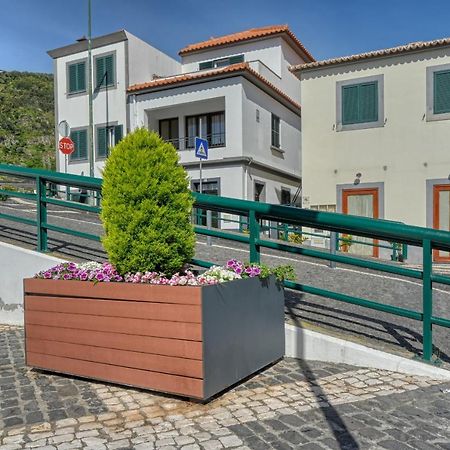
x=66 y=146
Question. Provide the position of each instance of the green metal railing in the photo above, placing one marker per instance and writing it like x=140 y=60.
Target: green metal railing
x=256 y=213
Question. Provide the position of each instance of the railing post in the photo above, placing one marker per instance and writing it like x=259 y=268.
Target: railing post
x=427 y=295
x=41 y=208
x=333 y=246
x=209 y=226
x=254 y=235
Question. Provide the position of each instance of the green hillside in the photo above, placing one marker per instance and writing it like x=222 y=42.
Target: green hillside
x=27 y=119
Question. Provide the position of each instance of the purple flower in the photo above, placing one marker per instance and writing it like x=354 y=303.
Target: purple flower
x=83 y=276
x=100 y=277
x=67 y=276
x=47 y=275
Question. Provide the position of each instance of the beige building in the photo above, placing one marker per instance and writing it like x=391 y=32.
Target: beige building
x=376 y=135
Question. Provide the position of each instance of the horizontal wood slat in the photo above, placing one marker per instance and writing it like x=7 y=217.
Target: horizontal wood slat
x=175 y=330
x=189 y=295
x=122 y=358
x=189 y=387
x=147 y=344
x=139 y=310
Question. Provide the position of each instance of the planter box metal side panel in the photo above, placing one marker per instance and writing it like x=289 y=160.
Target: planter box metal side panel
x=243 y=330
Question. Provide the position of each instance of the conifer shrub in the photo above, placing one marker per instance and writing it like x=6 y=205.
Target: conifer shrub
x=146 y=206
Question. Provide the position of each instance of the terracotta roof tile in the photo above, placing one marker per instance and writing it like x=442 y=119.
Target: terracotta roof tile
x=411 y=47
x=233 y=68
x=253 y=33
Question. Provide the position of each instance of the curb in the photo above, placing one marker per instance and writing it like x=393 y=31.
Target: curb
x=313 y=346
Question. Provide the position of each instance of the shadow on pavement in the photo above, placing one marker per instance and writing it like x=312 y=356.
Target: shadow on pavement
x=344 y=438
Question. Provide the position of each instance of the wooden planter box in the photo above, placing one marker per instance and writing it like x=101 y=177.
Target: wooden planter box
x=193 y=341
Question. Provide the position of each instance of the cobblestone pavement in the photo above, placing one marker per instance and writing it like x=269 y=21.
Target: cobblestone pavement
x=291 y=405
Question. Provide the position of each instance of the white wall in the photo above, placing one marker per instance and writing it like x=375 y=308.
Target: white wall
x=266 y=50
x=402 y=154
x=110 y=104
x=144 y=61
x=257 y=138
x=203 y=97
x=26 y=264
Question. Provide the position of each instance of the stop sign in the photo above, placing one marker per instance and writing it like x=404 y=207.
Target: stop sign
x=66 y=145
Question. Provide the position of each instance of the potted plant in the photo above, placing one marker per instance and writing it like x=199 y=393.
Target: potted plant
x=346 y=242
x=143 y=318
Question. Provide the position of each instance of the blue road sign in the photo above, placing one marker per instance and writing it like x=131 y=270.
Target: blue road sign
x=201 y=148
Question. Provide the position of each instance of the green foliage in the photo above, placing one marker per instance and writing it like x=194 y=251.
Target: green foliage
x=146 y=206
x=27 y=120
x=281 y=273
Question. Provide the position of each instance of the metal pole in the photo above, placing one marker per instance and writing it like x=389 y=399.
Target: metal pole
x=427 y=297
x=91 y=114
x=333 y=241
x=201 y=178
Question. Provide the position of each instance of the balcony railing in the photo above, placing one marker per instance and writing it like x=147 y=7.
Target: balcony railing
x=188 y=143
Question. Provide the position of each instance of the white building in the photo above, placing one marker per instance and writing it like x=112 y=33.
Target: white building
x=236 y=91
x=376 y=135
x=118 y=61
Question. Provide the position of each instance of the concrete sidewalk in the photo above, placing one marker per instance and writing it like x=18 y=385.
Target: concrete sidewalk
x=294 y=404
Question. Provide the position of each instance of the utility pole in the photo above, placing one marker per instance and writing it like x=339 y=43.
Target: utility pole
x=91 y=113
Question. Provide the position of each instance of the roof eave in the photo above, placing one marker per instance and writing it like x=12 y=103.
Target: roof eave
x=247 y=74
x=78 y=47
x=312 y=66
x=284 y=34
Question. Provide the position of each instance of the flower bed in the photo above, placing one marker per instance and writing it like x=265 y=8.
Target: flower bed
x=97 y=272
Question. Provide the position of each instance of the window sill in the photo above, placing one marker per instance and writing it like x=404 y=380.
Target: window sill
x=77 y=161
x=432 y=117
x=277 y=149
x=360 y=126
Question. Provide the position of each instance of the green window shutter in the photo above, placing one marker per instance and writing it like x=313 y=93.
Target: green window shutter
x=205 y=65
x=118 y=134
x=74 y=137
x=99 y=72
x=349 y=104
x=81 y=76
x=110 y=72
x=82 y=142
x=236 y=59
x=77 y=77
x=72 y=78
x=102 y=142
x=368 y=102
x=441 y=92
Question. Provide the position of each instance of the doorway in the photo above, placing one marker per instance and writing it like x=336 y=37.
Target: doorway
x=441 y=216
x=210 y=187
x=361 y=202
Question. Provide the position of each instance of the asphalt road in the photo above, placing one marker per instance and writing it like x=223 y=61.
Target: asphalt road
x=370 y=327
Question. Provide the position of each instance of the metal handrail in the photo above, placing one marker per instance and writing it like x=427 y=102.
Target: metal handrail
x=256 y=212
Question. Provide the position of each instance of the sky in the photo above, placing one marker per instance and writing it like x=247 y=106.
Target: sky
x=327 y=28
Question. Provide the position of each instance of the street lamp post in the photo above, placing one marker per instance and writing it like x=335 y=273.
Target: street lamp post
x=91 y=114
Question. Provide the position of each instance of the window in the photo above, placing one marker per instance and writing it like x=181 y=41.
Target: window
x=221 y=62
x=168 y=130
x=107 y=137
x=275 y=131
x=441 y=92
x=259 y=192
x=79 y=138
x=77 y=77
x=105 y=74
x=207 y=126
x=360 y=103
x=285 y=196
